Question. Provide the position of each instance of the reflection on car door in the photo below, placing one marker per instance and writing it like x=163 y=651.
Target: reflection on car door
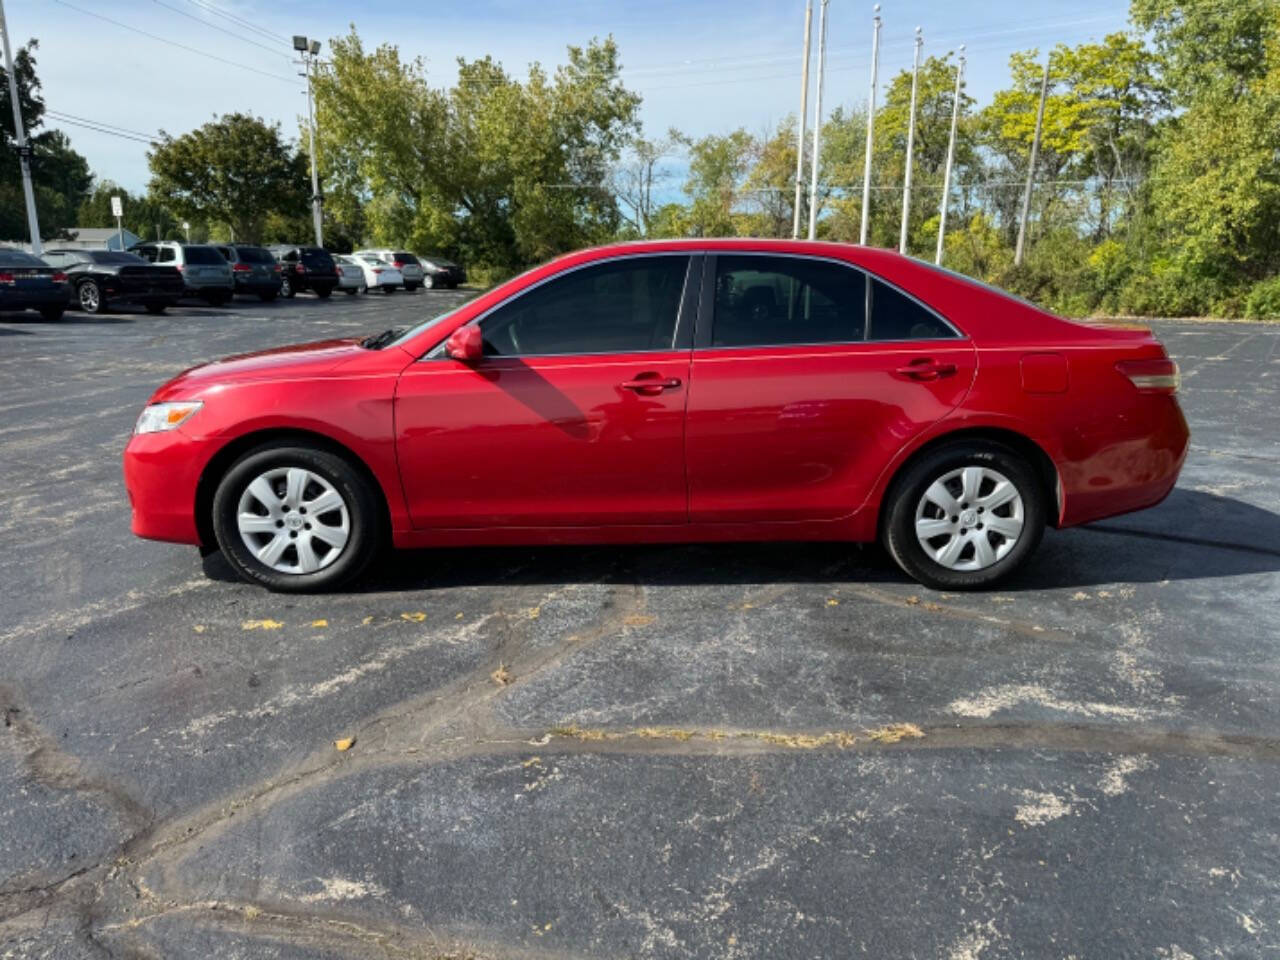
x=796 y=402
x=575 y=416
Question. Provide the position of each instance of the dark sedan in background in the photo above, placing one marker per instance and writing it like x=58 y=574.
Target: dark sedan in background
x=254 y=270
x=440 y=272
x=28 y=283
x=100 y=278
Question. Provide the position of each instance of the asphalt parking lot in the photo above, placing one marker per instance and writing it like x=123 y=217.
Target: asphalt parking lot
x=721 y=751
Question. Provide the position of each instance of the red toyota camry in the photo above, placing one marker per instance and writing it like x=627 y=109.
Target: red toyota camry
x=671 y=391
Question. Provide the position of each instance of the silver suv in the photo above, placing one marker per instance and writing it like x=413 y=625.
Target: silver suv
x=205 y=272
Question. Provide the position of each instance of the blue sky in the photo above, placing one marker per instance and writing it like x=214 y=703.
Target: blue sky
x=704 y=66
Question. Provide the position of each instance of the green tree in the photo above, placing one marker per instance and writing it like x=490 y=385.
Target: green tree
x=142 y=215
x=718 y=168
x=60 y=176
x=235 y=171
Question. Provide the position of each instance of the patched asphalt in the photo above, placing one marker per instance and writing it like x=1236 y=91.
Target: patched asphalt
x=780 y=750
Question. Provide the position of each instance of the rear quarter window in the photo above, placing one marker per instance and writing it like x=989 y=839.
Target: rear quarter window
x=202 y=255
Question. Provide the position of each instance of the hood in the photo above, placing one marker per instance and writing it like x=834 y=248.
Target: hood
x=280 y=363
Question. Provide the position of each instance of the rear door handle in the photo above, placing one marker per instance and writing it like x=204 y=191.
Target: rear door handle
x=926 y=368
x=652 y=385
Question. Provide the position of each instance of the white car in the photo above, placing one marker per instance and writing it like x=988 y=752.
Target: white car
x=378 y=274
x=402 y=260
x=350 y=275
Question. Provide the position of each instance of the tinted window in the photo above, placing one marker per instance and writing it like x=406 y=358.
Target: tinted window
x=202 y=255
x=618 y=307
x=19 y=258
x=402 y=257
x=895 y=316
x=146 y=253
x=768 y=301
x=227 y=253
x=166 y=255
x=255 y=255
x=111 y=257
x=315 y=257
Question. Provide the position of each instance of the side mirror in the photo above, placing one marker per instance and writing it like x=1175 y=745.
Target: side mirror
x=465 y=344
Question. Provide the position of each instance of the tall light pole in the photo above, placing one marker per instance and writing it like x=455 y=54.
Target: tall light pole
x=804 y=116
x=1031 y=167
x=911 y=144
x=871 y=122
x=951 y=159
x=309 y=51
x=817 y=120
x=20 y=137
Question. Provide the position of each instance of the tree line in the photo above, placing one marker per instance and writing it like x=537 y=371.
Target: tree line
x=1157 y=187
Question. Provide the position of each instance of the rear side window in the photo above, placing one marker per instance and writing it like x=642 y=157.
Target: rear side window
x=773 y=301
x=623 y=306
x=203 y=255
x=895 y=316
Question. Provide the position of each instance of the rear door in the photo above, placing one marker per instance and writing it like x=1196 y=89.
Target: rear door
x=574 y=417
x=807 y=376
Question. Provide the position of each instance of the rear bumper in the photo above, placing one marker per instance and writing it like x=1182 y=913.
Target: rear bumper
x=161 y=472
x=1110 y=475
x=257 y=285
x=13 y=300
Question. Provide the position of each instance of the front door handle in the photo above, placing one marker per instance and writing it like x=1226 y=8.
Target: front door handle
x=926 y=368
x=650 y=385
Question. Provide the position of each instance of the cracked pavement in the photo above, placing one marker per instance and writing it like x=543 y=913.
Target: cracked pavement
x=782 y=750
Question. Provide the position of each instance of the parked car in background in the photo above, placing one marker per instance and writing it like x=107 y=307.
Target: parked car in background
x=350 y=274
x=99 y=279
x=672 y=391
x=402 y=260
x=440 y=271
x=28 y=283
x=205 y=273
x=254 y=270
x=378 y=274
x=305 y=268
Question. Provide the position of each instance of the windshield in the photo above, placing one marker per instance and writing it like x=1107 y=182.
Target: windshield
x=424 y=326
x=255 y=255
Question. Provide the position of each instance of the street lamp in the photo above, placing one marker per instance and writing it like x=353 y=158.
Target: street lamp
x=309 y=50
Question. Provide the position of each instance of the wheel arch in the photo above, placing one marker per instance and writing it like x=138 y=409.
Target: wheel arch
x=223 y=460
x=1035 y=454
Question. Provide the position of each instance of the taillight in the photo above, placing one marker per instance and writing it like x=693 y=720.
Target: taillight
x=241 y=268
x=275 y=267
x=377 y=269
x=300 y=268
x=59 y=277
x=6 y=278
x=1152 y=376
x=400 y=263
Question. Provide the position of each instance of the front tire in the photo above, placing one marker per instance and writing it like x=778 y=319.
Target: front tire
x=296 y=519
x=965 y=516
x=286 y=288
x=91 y=298
x=429 y=282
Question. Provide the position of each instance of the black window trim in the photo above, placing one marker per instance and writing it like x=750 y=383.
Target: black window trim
x=706 y=309
x=682 y=338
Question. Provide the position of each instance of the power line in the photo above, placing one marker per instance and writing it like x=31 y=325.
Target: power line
x=101 y=123
x=97 y=129
x=212 y=7
x=231 y=33
x=174 y=43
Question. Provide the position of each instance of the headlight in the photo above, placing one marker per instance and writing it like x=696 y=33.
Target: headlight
x=158 y=417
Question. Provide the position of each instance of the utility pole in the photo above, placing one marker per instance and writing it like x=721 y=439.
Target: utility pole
x=951 y=158
x=871 y=122
x=804 y=116
x=817 y=120
x=20 y=137
x=309 y=50
x=1031 y=167
x=911 y=144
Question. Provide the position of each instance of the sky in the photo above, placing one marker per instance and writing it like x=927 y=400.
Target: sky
x=702 y=66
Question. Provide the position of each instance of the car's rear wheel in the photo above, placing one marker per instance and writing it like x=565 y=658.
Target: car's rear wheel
x=217 y=299
x=286 y=288
x=410 y=287
x=266 y=297
x=323 y=292
x=965 y=515
x=296 y=518
x=429 y=282
x=91 y=297
x=155 y=308
x=52 y=314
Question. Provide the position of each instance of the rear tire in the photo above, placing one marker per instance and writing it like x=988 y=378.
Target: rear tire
x=286 y=288
x=240 y=518
x=52 y=314
x=91 y=298
x=987 y=529
x=349 y=291
x=323 y=292
x=217 y=299
x=429 y=282
x=266 y=297
x=155 y=308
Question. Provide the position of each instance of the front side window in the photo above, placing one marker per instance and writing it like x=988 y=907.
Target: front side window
x=773 y=301
x=622 y=306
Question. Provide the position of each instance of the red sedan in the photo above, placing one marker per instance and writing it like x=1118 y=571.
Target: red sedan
x=671 y=391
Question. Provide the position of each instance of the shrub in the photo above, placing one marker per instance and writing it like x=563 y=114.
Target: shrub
x=1263 y=302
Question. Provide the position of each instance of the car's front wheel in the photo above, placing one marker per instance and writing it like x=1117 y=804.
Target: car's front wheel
x=91 y=297
x=296 y=518
x=965 y=515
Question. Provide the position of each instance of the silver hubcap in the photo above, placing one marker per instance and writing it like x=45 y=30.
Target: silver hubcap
x=293 y=520
x=89 y=296
x=969 y=518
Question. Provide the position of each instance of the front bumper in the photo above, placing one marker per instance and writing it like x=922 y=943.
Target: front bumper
x=161 y=473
